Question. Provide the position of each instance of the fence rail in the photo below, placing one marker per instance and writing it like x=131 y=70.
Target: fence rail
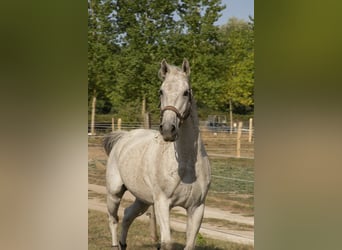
x=218 y=143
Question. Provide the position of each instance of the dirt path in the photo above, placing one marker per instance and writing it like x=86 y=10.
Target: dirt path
x=215 y=232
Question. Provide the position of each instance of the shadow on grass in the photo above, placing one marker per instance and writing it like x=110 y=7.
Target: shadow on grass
x=178 y=246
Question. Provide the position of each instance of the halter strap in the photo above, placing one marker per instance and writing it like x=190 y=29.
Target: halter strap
x=172 y=108
x=181 y=117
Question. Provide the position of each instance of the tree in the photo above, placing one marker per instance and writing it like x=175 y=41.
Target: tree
x=239 y=87
x=199 y=42
x=128 y=39
x=100 y=48
x=144 y=29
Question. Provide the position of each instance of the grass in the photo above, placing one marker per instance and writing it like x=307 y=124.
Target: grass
x=238 y=169
x=96 y=175
x=92 y=140
x=139 y=238
x=232 y=194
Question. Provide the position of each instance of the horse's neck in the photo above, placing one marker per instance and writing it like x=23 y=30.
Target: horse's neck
x=188 y=144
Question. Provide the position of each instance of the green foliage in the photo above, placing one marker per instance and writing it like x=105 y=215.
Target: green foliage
x=128 y=39
x=101 y=74
x=239 y=39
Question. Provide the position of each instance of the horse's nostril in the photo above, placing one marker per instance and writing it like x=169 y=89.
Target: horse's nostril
x=160 y=128
x=173 y=129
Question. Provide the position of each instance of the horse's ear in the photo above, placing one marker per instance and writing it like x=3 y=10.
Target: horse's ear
x=186 y=67
x=164 y=68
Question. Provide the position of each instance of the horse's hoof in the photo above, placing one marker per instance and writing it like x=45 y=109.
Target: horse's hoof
x=122 y=246
x=164 y=246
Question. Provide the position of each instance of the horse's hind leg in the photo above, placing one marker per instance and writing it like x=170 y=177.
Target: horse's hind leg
x=113 y=202
x=133 y=211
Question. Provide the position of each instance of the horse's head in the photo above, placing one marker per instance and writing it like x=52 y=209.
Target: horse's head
x=175 y=98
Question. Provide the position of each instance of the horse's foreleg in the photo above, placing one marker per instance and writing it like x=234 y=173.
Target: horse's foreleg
x=162 y=209
x=133 y=211
x=195 y=215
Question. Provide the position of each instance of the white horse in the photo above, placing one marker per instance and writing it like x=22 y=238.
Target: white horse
x=166 y=169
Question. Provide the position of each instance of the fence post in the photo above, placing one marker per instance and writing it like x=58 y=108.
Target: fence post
x=230 y=116
x=147 y=120
x=113 y=127
x=92 y=125
x=119 y=124
x=250 y=131
x=143 y=106
x=238 y=140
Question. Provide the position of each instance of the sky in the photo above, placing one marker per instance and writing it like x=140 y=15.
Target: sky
x=238 y=8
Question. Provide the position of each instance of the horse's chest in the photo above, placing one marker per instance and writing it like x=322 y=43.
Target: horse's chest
x=182 y=186
x=186 y=195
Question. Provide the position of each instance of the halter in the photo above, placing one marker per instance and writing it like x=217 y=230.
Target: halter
x=181 y=117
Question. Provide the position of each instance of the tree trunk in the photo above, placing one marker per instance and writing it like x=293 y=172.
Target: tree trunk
x=93 y=108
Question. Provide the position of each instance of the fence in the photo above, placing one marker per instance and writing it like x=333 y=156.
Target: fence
x=219 y=142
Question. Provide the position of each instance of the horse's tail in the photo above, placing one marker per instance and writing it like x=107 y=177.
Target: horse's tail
x=110 y=140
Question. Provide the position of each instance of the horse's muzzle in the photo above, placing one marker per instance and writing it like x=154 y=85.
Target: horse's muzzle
x=168 y=131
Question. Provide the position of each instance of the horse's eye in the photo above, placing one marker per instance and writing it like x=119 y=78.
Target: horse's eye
x=160 y=92
x=186 y=93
